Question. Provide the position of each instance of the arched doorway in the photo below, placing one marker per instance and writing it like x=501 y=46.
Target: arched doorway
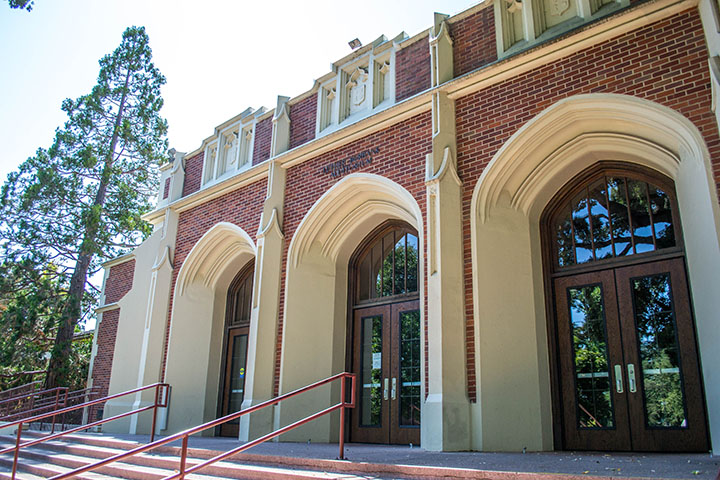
x=626 y=373
x=385 y=336
x=237 y=325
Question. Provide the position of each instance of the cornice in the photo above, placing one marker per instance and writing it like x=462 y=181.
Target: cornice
x=600 y=31
x=118 y=260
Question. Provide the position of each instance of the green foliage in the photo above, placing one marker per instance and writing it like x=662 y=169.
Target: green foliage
x=80 y=201
x=22 y=4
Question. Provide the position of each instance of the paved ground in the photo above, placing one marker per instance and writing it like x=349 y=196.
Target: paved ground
x=696 y=466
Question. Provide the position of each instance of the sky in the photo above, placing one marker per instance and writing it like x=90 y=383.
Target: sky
x=219 y=57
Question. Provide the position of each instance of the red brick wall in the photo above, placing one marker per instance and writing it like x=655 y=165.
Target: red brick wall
x=241 y=207
x=193 y=174
x=102 y=364
x=263 y=137
x=474 y=42
x=665 y=62
x=401 y=158
x=166 y=190
x=302 y=121
x=119 y=281
x=412 y=69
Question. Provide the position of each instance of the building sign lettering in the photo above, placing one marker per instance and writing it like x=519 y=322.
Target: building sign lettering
x=347 y=165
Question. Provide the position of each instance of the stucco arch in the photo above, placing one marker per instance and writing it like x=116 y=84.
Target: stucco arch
x=506 y=205
x=316 y=309
x=198 y=322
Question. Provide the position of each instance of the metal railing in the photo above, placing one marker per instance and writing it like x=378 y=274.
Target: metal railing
x=33 y=402
x=26 y=389
x=183 y=436
x=160 y=401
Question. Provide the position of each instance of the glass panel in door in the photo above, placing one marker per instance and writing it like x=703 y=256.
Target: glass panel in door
x=664 y=385
x=234 y=383
x=590 y=353
x=371 y=371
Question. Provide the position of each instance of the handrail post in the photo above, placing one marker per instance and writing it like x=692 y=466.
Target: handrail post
x=157 y=396
x=57 y=400
x=183 y=457
x=17 y=451
x=343 y=380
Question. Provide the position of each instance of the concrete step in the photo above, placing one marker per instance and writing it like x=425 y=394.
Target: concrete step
x=54 y=457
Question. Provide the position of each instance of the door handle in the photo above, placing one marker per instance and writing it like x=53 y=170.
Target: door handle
x=394 y=388
x=632 y=386
x=618 y=379
x=385 y=389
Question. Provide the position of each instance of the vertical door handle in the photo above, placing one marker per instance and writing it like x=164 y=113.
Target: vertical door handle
x=631 y=378
x=385 y=389
x=394 y=388
x=618 y=379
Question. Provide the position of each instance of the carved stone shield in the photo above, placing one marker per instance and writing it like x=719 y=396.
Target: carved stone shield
x=558 y=7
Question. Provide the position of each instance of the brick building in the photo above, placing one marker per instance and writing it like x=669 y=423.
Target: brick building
x=507 y=225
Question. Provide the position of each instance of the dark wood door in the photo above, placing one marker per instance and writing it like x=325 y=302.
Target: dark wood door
x=234 y=381
x=386 y=358
x=628 y=360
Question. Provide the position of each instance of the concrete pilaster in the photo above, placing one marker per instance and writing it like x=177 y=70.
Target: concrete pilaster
x=265 y=309
x=446 y=413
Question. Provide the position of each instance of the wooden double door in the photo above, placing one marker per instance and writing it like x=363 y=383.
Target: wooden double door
x=386 y=359
x=629 y=371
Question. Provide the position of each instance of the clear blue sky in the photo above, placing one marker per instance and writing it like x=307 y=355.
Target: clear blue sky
x=219 y=57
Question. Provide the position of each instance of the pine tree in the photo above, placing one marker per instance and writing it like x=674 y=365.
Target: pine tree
x=80 y=201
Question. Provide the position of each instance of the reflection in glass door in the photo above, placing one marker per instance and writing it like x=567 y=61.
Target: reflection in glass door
x=628 y=360
x=234 y=385
x=387 y=360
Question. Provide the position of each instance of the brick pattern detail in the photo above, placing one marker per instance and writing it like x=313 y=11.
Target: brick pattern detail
x=119 y=281
x=403 y=148
x=263 y=137
x=412 y=69
x=166 y=189
x=193 y=174
x=474 y=43
x=102 y=364
x=242 y=207
x=665 y=62
x=302 y=121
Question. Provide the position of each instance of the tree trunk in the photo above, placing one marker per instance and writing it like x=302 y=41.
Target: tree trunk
x=58 y=367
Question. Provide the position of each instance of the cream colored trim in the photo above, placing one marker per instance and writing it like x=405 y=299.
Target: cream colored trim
x=470 y=11
x=524 y=156
x=618 y=24
x=107 y=308
x=209 y=256
x=623 y=22
x=379 y=121
x=329 y=219
x=118 y=260
x=241 y=179
x=410 y=40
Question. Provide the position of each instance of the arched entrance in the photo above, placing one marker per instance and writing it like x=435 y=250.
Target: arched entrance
x=385 y=336
x=626 y=366
x=237 y=326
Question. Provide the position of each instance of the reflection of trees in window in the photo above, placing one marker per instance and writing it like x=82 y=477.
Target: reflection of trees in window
x=591 y=361
x=389 y=267
x=371 y=401
x=613 y=217
x=240 y=298
x=410 y=368
x=657 y=339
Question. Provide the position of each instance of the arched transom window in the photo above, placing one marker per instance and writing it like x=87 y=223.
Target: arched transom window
x=388 y=265
x=240 y=298
x=613 y=214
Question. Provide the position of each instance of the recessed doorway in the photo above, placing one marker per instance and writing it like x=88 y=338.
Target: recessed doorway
x=627 y=370
x=385 y=337
x=237 y=321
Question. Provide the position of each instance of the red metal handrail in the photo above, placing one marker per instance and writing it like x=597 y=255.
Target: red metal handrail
x=157 y=404
x=44 y=405
x=182 y=471
x=27 y=389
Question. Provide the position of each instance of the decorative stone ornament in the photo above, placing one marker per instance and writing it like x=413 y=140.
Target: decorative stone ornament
x=558 y=7
x=516 y=5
